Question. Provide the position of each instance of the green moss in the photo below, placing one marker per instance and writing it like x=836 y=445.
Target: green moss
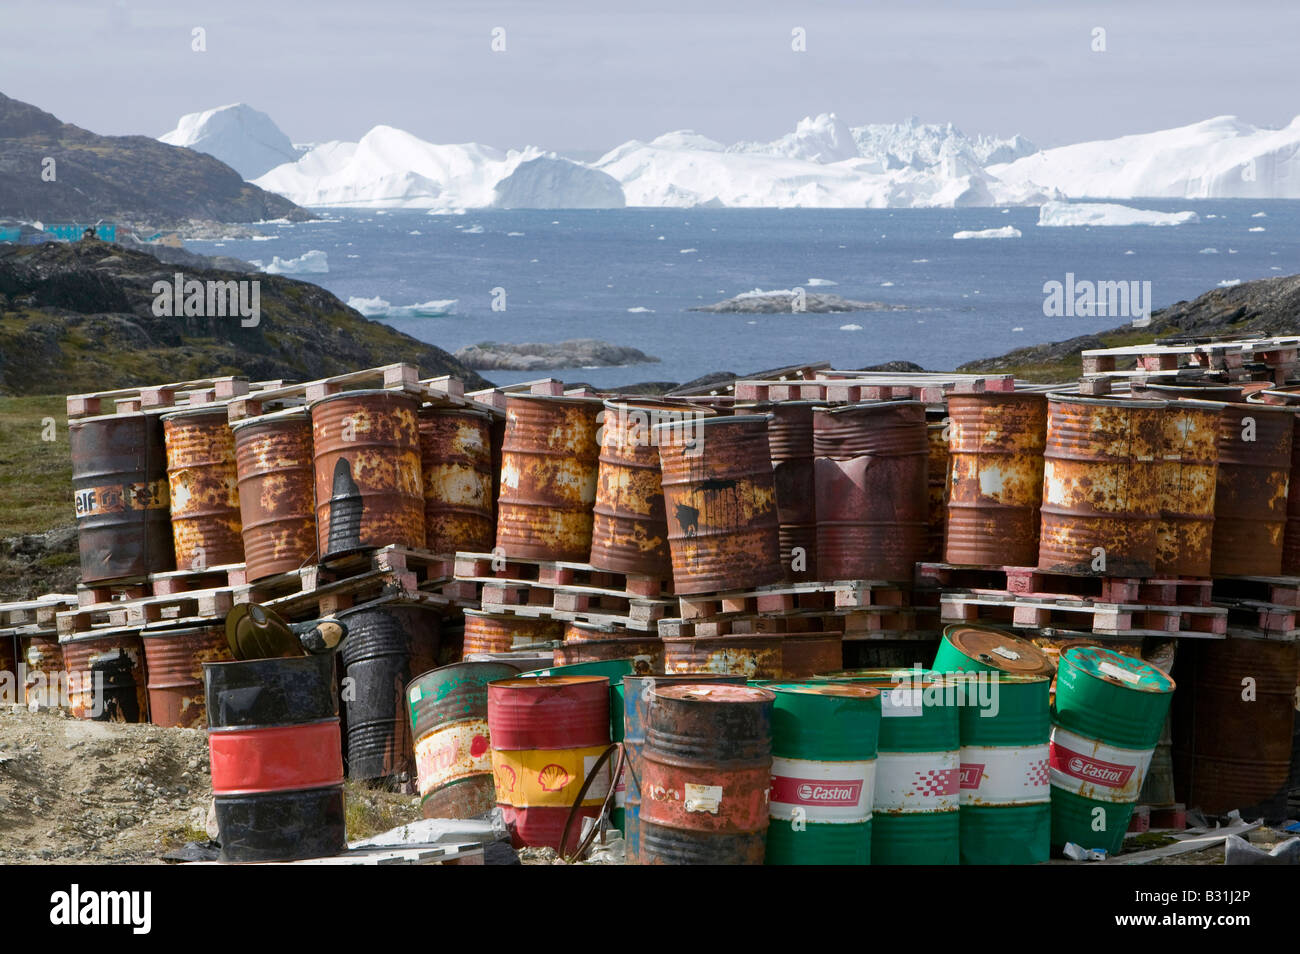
x=35 y=474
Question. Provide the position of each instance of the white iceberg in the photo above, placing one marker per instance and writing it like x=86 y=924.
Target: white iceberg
x=1063 y=214
x=1007 y=231
x=242 y=137
x=379 y=308
x=314 y=262
x=820 y=281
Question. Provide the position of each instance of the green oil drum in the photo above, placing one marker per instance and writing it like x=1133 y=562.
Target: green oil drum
x=1006 y=802
x=967 y=648
x=915 y=819
x=824 y=741
x=1109 y=712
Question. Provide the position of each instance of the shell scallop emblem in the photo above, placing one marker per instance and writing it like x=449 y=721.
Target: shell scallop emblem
x=553 y=778
x=506 y=778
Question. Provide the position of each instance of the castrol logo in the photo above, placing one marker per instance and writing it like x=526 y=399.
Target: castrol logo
x=1089 y=769
x=800 y=791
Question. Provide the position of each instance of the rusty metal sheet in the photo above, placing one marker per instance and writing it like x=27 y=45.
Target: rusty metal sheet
x=121 y=498
x=630 y=528
x=720 y=495
x=777 y=656
x=1288 y=396
x=45 y=680
x=1250 y=499
x=1233 y=716
x=790 y=443
x=549 y=463
x=204 y=489
x=369 y=486
x=705 y=775
x=996 y=477
x=936 y=480
x=871 y=488
x=456 y=459
x=647 y=651
x=1101 y=486
x=273 y=463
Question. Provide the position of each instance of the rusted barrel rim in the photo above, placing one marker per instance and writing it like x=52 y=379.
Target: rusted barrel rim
x=722 y=693
x=608 y=629
x=451 y=410
x=993 y=397
x=288 y=414
x=365 y=392
x=1177 y=390
x=93 y=636
x=761 y=407
x=863 y=407
x=1290 y=395
x=556 y=399
x=1063 y=398
x=152 y=412
x=532 y=682
x=206 y=410
x=655 y=404
x=712 y=421
x=846 y=689
x=188 y=631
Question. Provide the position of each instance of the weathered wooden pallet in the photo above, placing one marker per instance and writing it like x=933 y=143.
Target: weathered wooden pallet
x=203 y=605
x=1038 y=610
x=446 y=390
x=482 y=568
x=1277 y=590
x=1261 y=619
x=595 y=617
x=861 y=623
x=587 y=601
x=1173 y=591
x=179 y=394
x=38 y=612
x=1218 y=355
x=785 y=597
x=156 y=584
x=496 y=397
x=839 y=387
x=417 y=576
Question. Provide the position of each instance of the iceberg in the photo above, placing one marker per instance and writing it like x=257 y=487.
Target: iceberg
x=379 y=308
x=242 y=137
x=1007 y=231
x=309 y=263
x=1061 y=214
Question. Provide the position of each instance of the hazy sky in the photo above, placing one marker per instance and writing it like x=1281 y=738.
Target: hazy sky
x=582 y=77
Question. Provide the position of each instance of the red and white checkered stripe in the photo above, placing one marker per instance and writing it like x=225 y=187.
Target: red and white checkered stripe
x=1004 y=775
x=917 y=782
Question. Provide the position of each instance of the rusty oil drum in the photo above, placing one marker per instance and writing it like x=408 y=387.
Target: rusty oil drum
x=706 y=768
x=1291 y=538
x=273 y=464
x=790 y=443
x=549 y=466
x=1250 y=499
x=456 y=464
x=46 y=678
x=369 y=488
x=547 y=733
x=630 y=527
x=274 y=747
x=720 y=495
x=386 y=647
x=592 y=642
x=204 y=488
x=453 y=754
x=871 y=489
x=1101 y=485
x=505 y=632
x=1232 y=748
x=783 y=657
x=174 y=660
x=996 y=477
x=119 y=486
x=108 y=667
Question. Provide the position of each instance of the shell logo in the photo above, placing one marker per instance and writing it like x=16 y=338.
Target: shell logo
x=553 y=777
x=506 y=778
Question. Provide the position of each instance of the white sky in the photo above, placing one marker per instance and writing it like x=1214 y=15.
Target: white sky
x=582 y=77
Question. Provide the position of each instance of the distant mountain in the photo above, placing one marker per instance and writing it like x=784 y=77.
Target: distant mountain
x=128 y=178
x=246 y=140
x=79 y=316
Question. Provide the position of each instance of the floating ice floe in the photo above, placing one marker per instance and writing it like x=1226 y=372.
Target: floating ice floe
x=379 y=308
x=1257 y=228
x=314 y=262
x=1007 y=231
x=1061 y=214
x=850 y=327
x=820 y=281
x=1229 y=282
x=640 y=310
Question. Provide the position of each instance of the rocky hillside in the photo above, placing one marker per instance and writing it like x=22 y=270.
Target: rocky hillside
x=79 y=317
x=126 y=178
x=1269 y=306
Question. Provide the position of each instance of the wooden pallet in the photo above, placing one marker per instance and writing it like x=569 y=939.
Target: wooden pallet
x=1038 y=610
x=39 y=612
x=1171 y=591
x=1217 y=355
x=416 y=576
x=497 y=397
x=156 y=584
x=832 y=595
x=637 y=624
x=177 y=395
x=480 y=568
x=1260 y=619
x=444 y=390
x=846 y=387
x=172 y=608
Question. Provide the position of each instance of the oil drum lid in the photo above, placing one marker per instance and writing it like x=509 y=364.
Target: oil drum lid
x=719 y=693
x=1003 y=651
x=525 y=681
x=847 y=690
x=1059 y=397
x=396 y=396
x=275 y=417
x=1117 y=669
x=200 y=410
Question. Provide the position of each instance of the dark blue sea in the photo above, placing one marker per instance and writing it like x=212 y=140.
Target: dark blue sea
x=581 y=274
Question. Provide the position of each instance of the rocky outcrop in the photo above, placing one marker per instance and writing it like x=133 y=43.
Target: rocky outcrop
x=79 y=317
x=543 y=356
x=791 y=301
